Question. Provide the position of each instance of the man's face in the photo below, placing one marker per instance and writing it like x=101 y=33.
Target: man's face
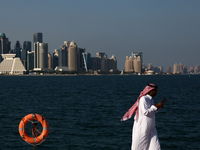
x=153 y=92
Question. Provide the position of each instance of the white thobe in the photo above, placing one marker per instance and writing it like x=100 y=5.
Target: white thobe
x=144 y=135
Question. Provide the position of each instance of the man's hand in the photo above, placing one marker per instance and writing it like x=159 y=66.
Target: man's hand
x=164 y=99
x=160 y=105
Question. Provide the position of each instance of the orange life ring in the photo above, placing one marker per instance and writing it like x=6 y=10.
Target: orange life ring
x=34 y=140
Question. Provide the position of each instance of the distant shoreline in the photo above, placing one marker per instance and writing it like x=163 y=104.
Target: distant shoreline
x=91 y=74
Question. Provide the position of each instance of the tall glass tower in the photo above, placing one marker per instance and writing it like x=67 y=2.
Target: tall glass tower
x=27 y=46
x=43 y=56
x=37 y=37
x=3 y=48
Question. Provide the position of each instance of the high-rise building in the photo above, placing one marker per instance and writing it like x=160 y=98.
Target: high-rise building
x=160 y=69
x=112 y=64
x=30 y=60
x=129 y=64
x=86 y=59
x=191 y=69
x=17 y=49
x=197 y=69
x=169 y=69
x=36 y=54
x=23 y=57
x=3 y=46
x=72 y=56
x=37 y=37
x=63 y=56
x=144 y=66
x=49 y=61
x=108 y=65
x=104 y=64
x=95 y=63
x=137 y=65
x=8 y=46
x=178 y=68
x=55 y=58
x=185 y=69
x=101 y=56
x=80 y=59
x=27 y=46
x=137 y=61
x=43 y=55
x=150 y=66
x=67 y=43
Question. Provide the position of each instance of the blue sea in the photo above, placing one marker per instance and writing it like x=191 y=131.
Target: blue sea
x=84 y=112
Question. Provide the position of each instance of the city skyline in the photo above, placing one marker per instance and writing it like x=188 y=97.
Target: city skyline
x=167 y=32
x=38 y=37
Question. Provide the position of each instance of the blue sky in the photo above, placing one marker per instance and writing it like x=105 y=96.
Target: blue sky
x=167 y=32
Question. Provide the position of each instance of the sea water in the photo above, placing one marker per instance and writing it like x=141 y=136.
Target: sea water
x=84 y=112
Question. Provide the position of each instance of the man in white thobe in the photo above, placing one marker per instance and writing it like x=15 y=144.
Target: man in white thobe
x=144 y=135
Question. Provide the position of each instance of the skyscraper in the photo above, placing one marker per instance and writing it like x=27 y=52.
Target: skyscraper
x=36 y=54
x=95 y=63
x=17 y=49
x=80 y=60
x=43 y=55
x=185 y=69
x=27 y=46
x=37 y=37
x=63 y=56
x=3 y=47
x=55 y=58
x=178 y=68
x=100 y=56
x=72 y=56
x=30 y=60
x=40 y=52
x=129 y=64
x=137 y=61
x=23 y=57
x=49 y=60
x=112 y=64
x=169 y=69
x=86 y=59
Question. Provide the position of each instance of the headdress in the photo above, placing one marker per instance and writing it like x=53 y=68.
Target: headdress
x=134 y=108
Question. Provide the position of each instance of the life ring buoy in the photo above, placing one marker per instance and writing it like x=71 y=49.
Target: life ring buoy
x=33 y=140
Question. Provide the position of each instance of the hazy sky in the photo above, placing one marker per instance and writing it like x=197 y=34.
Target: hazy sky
x=167 y=32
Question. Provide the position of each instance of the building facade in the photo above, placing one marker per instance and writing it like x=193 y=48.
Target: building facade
x=30 y=60
x=55 y=58
x=72 y=56
x=43 y=55
x=129 y=64
x=87 y=60
x=27 y=46
x=178 y=68
x=37 y=37
x=36 y=54
x=134 y=62
x=80 y=60
x=63 y=56
x=49 y=61
x=3 y=46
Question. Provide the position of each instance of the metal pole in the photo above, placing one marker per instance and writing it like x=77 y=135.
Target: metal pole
x=33 y=147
